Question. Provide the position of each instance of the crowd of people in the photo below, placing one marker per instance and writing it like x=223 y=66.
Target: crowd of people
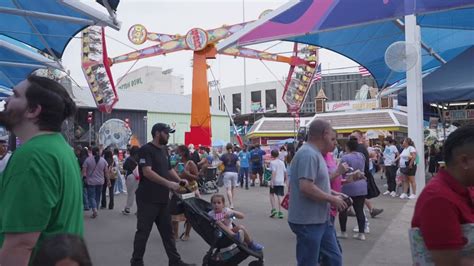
x=46 y=180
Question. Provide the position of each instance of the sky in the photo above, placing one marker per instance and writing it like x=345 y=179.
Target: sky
x=178 y=17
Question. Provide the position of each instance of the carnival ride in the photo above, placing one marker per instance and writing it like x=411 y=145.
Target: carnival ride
x=96 y=66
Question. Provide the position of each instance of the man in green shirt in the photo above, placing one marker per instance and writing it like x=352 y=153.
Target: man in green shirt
x=41 y=187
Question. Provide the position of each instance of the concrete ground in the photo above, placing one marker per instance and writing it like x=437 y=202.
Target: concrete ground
x=110 y=237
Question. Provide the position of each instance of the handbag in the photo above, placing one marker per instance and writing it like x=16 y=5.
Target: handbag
x=372 y=189
x=285 y=203
x=404 y=170
x=113 y=172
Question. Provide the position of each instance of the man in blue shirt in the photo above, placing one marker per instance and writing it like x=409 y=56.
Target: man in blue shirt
x=244 y=167
x=256 y=158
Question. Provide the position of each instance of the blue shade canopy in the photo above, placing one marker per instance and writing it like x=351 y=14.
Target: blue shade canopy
x=362 y=30
x=451 y=82
x=447 y=34
x=48 y=25
x=18 y=60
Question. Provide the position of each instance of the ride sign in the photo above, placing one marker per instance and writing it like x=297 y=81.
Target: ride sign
x=196 y=39
x=137 y=34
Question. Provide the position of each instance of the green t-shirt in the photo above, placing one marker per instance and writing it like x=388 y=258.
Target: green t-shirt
x=41 y=189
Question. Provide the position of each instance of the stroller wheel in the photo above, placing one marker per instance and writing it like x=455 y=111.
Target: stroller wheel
x=205 y=260
x=256 y=263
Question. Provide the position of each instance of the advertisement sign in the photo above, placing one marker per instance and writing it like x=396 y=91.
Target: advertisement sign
x=351 y=105
x=454 y=115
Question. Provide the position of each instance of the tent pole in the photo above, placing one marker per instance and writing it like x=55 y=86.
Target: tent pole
x=415 y=100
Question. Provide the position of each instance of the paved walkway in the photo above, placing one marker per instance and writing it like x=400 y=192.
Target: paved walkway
x=110 y=236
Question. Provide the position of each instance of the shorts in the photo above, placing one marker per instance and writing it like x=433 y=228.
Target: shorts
x=277 y=190
x=257 y=170
x=230 y=179
x=411 y=172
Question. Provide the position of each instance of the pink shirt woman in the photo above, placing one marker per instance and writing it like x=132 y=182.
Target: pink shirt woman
x=336 y=183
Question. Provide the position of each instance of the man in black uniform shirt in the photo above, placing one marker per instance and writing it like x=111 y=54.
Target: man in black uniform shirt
x=157 y=179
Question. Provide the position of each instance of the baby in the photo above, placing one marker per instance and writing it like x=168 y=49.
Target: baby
x=223 y=216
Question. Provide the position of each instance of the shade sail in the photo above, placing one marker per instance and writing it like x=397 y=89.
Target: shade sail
x=362 y=30
x=451 y=82
x=18 y=60
x=46 y=26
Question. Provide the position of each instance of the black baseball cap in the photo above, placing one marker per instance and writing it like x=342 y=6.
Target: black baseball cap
x=161 y=127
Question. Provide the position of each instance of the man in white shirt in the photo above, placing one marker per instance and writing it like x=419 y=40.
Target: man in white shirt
x=277 y=184
x=390 y=154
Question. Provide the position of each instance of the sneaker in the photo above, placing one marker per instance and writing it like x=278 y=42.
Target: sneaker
x=342 y=235
x=126 y=212
x=386 y=193
x=273 y=212
x=375 y=212
x=255 y=246
x=404 y=196
x=280 y=215
x=366 y=230
x=359 y=236
x=412 y=196
x=393 y=194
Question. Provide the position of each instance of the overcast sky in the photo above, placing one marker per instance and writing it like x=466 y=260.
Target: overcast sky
x=178 y=17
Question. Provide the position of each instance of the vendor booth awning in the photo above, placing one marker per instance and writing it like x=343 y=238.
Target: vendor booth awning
x=343 y=122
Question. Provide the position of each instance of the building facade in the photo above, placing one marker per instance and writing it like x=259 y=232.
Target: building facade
x=267 y=96
x=257 y=97
x=151 y=79
x=142 y=110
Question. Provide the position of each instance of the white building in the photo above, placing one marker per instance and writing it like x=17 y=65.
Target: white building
x=257 y=97
x=151 y=79
x=172 y=109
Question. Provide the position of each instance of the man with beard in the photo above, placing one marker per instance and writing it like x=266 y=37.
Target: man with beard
x=157 y=179
x=41 y=187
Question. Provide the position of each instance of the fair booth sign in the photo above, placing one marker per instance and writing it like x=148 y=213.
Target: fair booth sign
x=352 y=105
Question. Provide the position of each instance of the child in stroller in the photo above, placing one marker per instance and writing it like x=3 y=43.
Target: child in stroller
x=223 y=217
x=224 y=249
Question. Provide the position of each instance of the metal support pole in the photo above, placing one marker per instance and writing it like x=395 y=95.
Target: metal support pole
x=415 y=100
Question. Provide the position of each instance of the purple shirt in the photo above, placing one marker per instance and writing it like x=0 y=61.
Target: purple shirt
x=356 y=160
x=95 y=172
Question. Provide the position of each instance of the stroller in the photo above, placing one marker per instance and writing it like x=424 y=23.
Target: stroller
x=208 y=183
x=224 y=250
